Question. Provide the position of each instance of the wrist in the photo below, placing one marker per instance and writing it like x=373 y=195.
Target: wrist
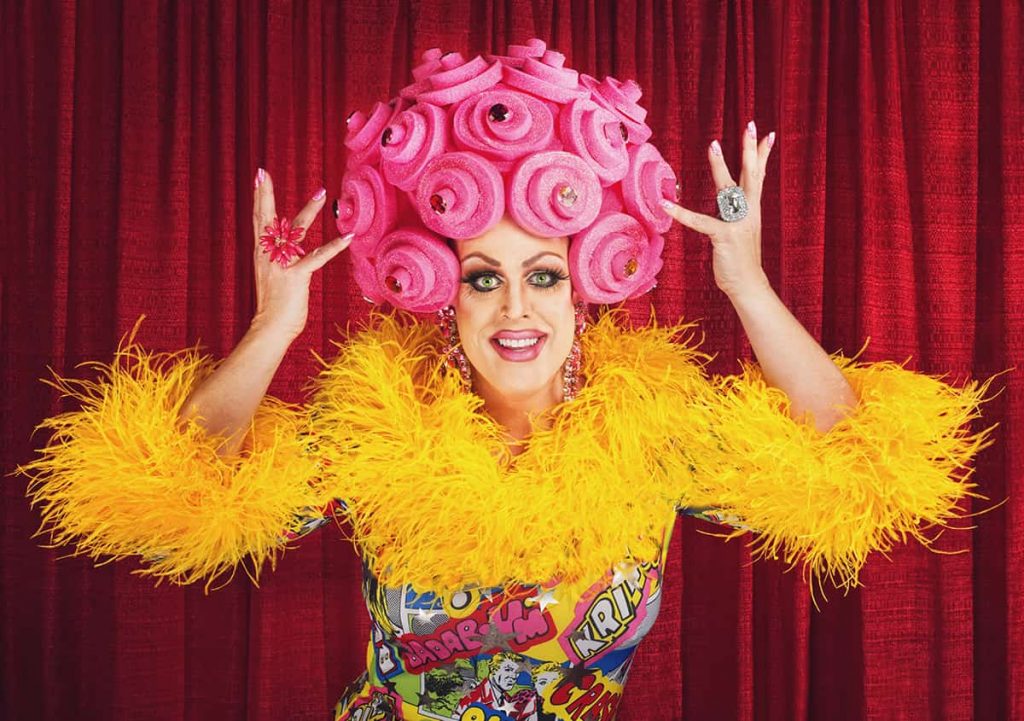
x=265 y=333
x=754 y=291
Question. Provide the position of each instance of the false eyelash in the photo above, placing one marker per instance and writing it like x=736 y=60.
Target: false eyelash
x=552 y=271
x=470 y=278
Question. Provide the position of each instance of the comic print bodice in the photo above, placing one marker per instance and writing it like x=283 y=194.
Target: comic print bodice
x=504 y=654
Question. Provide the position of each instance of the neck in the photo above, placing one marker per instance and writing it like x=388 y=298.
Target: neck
x=518 y=415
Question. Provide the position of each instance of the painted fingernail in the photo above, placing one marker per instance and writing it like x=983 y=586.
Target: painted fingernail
x=335 y=209
x=667 y=204
x=320 y=194
x=752 y=130
x=716 y=148
x=771 y=139
x=260 y=175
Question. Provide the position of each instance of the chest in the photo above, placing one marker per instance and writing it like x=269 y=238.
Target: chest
x=521 y=652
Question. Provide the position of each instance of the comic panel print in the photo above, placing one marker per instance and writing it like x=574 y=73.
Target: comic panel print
x=613 y=617
x=371 y=704
x=427 y=632
x=503 y=687
x=510 y=687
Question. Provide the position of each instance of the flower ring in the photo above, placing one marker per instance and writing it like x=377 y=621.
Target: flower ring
x=282 y=240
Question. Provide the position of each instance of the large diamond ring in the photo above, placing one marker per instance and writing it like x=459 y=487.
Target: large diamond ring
x=732 y=204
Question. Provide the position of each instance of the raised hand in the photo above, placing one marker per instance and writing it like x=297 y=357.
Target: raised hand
x=282 y=287
x=736 y=245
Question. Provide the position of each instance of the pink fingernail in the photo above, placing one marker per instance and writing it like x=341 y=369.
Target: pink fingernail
x=752 y=130
x=260 y=175
x=771 y=139
x=320 y=194
x=716 y=148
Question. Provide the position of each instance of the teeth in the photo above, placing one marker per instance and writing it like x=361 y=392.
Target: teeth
x=517 y=342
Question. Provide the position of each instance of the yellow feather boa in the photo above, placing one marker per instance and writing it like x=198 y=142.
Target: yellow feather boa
x=435 y=499
x=120 y=476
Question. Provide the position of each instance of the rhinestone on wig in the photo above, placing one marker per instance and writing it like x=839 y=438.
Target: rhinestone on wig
x=498 y=113
x=567 y=196
x=453 y=353
x=437 y=204
x=573 y=364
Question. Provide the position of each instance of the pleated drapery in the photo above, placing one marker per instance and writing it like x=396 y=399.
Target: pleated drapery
x=892 y=210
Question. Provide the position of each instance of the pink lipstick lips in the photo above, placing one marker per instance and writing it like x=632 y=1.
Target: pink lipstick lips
x=518 y=345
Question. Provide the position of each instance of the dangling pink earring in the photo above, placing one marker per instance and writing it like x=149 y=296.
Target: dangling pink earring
x=571 y=370
x=452 y=351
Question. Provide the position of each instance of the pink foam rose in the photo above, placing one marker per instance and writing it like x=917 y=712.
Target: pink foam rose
x=459 y=80
x=503 y=125
x=517 y=54
x=460 y=195
x=614 y=259
x=365 y=275
x=416 y=270
x=554 y=194
x=596 y=135
x=621 y=98
x=362 y=136
x=649 y=180
x=412 y=140
x=430 y=62
x=546 y=78
x=366 y=207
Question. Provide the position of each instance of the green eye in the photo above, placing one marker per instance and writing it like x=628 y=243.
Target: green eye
x=485 y=282
x=547 y=278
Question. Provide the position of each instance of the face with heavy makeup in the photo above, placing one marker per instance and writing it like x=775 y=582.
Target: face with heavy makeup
x=515 y=313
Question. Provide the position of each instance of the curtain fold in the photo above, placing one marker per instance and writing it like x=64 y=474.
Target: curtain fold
x=892 y=211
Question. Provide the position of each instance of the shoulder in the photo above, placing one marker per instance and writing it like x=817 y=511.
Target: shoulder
x=385 y=373
x=387 y=350
x=397 y=335
x=654 y=355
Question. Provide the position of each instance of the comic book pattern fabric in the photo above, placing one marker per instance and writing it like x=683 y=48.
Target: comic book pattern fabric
x=503 y=654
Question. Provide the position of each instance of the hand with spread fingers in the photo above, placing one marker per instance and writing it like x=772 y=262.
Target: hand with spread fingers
x=736 y=234
x=283 y=268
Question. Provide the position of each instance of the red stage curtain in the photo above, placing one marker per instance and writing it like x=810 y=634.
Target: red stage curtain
x=131 y=133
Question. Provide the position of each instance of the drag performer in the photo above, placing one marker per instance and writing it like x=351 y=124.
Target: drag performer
x=510 y=471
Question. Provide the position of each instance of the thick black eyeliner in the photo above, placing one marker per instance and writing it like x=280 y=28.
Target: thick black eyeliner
x=470 y=279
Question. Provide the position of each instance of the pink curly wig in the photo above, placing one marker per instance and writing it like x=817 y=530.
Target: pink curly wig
x=563 y=154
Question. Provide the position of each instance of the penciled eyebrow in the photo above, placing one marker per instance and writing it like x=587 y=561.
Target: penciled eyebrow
x=497 y=264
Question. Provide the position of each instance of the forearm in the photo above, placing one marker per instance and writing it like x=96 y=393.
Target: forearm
x=224 y=404
x=791 y=360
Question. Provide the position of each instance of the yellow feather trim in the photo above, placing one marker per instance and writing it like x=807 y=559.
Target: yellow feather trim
x=121 y=476
x=895 y=466
x=436 y=501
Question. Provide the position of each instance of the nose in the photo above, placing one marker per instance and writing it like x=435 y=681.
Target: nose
x=516 y=300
